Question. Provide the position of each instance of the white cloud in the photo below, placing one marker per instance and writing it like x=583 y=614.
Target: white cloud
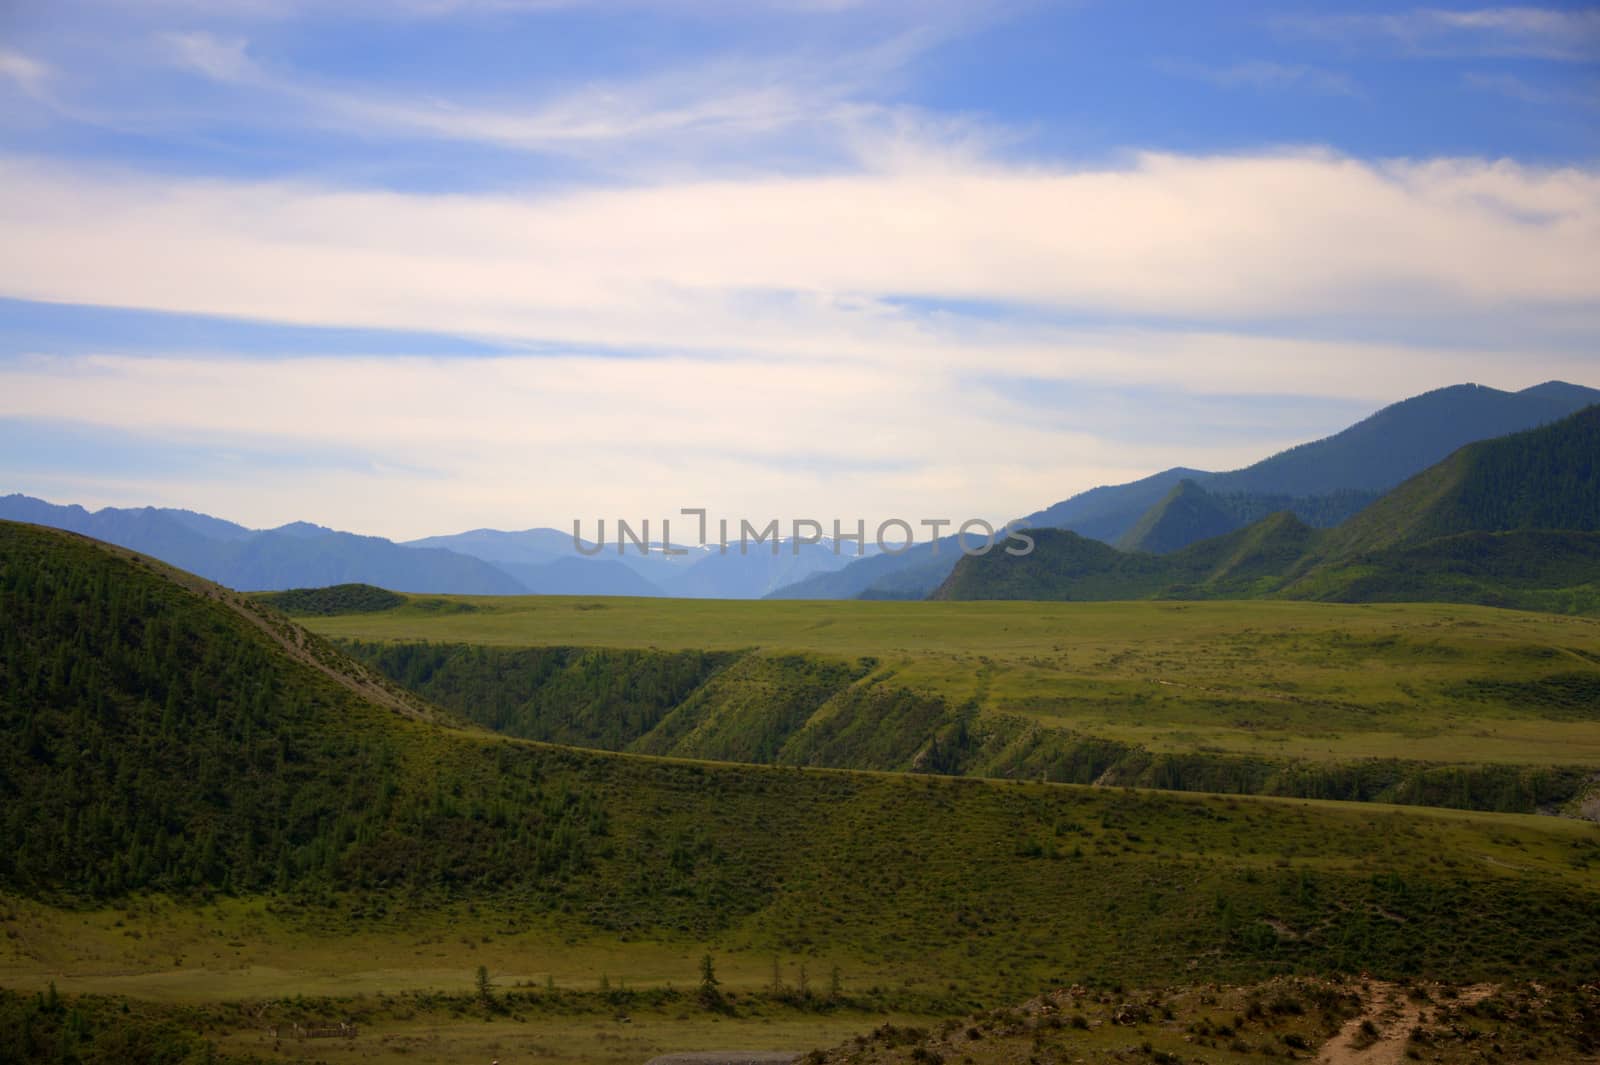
x=28 y=74
x=1545 y=33
x=787 y=376
x=729 y=99
x=1267 y=75
x=1523 y=91
x=517 y=441
x=218 y=58
x=785 y=265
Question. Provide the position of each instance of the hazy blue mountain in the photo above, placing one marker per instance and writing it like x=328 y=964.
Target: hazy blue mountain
x=531 y=546
x=576 y=575
x=698 y=572
x=755 y=572
x=1322 y=482
x=279 y=559
x=1108 y=512
x=297 y=555
x=911 y=574
x=163 y=534
x=1405 y=438
x=1327 y=480
x=206 y=525
x=300 y=530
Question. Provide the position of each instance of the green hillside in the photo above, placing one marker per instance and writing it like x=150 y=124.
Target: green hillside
x=1186 y=514
x=1511 y=522
x=162 y=736
x=1541 y=479
x=337 y=599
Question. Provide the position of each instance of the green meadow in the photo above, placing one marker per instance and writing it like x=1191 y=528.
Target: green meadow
x=217 y=822
x=1429 y=684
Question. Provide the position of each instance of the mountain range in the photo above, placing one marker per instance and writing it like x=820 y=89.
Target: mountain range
x=1322 y=483
x=479 y=562
x=1511 y=521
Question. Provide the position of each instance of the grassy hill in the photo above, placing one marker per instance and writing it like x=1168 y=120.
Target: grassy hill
x=162 y=736
x=1508 y=522
x=204 y=800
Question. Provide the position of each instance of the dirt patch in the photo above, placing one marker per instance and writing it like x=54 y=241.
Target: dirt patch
x=1379 y=1036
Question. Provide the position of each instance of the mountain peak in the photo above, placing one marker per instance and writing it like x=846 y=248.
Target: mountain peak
x=1187 y=513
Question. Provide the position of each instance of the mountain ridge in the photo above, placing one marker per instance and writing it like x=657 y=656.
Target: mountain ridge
x=1518 y=514
x=1323 y=480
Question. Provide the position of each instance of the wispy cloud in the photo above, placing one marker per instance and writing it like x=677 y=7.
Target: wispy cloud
x=275 y=10
x=1571 y=35
x=28 y=74
x=218 y=58
x=739 y=98
x=791 y=265
x=1266 y=75
x=1523 y=91
x=519 y=441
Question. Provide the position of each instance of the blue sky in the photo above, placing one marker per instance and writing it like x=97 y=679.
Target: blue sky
x=415 y=266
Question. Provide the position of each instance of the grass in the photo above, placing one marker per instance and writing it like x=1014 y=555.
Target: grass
x=1326 y=682
x=329 y=847
x=973 y=891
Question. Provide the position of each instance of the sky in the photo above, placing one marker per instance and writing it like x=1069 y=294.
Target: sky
x=410 y=267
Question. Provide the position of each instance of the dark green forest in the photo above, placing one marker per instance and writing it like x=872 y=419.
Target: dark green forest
x=152 y=739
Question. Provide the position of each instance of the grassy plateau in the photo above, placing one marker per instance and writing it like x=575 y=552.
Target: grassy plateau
x=1230 y=696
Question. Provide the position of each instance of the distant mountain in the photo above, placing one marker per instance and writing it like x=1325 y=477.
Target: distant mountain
x=1108 y=512
x=1403 y=439
x=1323 y=482
x=547 y=562
x=281 y=559
x=909 y=574
x=1513 y=521
x=1352 y=466
x=298 y=555
x=755 y=572
x=1545 y=478
x=576 y=575
x=529 y=546
x=1187 y=513
x=164 y=534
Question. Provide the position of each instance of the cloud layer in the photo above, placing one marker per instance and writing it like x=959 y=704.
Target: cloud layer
x=851 y=257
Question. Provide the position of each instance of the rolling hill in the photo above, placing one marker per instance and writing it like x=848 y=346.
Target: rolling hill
x=162 y=736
